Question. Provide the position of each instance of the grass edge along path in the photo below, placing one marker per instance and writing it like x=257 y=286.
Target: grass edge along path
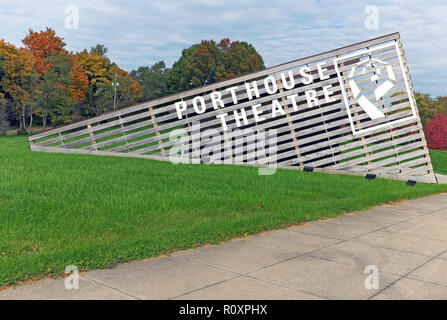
x=94 y=212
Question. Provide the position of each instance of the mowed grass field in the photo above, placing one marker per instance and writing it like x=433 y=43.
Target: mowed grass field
x=439 y=159
x=93 y=212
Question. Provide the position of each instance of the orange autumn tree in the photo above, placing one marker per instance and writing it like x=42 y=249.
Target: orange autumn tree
x=100 y=93
x=79 y=79
x=45 y=45
x=42 y=44
x=18 y=81
x=104 y=76
x=95 y=66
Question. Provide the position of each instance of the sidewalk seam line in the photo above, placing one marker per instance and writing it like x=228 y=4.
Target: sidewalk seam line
x=110 y=287
x=405 y=275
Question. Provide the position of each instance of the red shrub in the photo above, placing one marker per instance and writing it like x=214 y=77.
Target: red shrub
x=436 y=132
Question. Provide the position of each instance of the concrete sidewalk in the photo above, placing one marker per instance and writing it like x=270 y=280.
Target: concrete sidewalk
x=321 y=260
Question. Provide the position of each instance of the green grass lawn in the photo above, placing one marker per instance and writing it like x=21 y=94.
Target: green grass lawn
x=93 y=212
x=439 y=159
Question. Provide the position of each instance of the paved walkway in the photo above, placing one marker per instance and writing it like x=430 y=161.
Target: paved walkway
x=321 y=260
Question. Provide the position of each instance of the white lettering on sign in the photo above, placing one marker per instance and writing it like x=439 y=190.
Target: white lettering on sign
x=288 y=80
x=319 y=93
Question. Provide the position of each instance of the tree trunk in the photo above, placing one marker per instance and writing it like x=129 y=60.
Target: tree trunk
x=45 y=113
x=44 y=121
x=24 y=118
x=20 y=121
x=30 y=122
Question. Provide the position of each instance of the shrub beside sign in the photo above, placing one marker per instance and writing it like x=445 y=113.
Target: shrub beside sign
x=351 y=108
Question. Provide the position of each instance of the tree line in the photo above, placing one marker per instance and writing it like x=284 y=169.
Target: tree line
x=43 y=84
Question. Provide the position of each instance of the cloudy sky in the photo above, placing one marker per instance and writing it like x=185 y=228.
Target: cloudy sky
x=144 y=32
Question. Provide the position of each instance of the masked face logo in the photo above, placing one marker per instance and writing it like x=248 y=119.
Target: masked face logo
x=370 y=86
x=375 y=66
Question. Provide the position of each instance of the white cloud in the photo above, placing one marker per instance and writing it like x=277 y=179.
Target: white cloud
x=143 y=32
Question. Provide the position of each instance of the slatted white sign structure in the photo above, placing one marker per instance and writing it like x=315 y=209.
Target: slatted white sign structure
x=351 y=108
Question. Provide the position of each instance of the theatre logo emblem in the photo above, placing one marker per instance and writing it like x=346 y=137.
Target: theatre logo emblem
x=368 y=87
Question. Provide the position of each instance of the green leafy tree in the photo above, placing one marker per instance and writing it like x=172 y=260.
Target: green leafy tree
x=239 y=58
x=425 y=106
x=153 y=80
x=100 y=50
x=103 y=78
x=428 y=106
x=54 y=98
x=127 y=89
x=208 y=62
x=440 y=105
x=101 y=97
